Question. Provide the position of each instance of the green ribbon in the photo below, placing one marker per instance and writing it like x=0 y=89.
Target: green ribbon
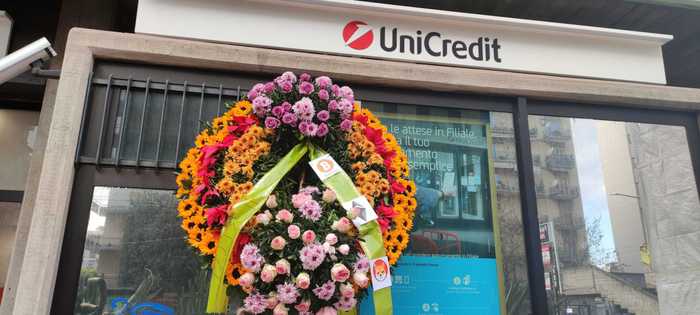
x=244 y=210
x=371 y=234
x=340 y=183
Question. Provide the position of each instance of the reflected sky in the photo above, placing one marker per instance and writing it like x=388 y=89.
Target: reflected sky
x=591 y=180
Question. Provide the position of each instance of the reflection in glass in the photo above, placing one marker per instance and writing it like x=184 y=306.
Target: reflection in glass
x=605 y=191
x=135 y=260
x=462 y=213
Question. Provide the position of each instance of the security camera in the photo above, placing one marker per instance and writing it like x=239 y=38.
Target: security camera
x=25 y=59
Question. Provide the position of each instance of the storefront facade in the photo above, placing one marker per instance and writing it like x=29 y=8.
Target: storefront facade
x=493 y=142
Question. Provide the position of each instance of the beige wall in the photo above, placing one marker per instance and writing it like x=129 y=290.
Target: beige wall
x=16 y=140
x=671 y=209
x=9 y=212
x=619 y=179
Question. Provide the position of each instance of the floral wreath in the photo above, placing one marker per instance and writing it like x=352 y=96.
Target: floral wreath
x=300 y=252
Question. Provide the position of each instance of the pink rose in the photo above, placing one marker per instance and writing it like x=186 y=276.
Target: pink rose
x=303 y=280
x=344 y=249
x=303 y=306
x=271 y=202
x=327 y=311
x=268 y=273
x=343 y=225
x=331 y=239
x=264 y=218
x=278 y=243
x=328 y=248
x=247 y=279
x=285 y=216
x=328 y=195
x=282 y=267
x=340 y=273
x=272 y=300
x=308 y=237
x=293 y=231
x=360 y=278
x=323 y=95
x=280 y=309
x=346 y=290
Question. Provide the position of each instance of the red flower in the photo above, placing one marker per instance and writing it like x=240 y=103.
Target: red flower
x=397 y=188
x=383 y=224
x=385 y=211
x=374 y=135
x=216 y=215
x=360 y=118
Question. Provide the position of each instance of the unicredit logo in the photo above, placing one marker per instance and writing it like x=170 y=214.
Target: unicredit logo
x=359 y=36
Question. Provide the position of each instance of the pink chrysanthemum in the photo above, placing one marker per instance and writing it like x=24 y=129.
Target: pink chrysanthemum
x=325 y=291
x=255 y=303
x=287 y=293
x=312 y=256
x=251 y=258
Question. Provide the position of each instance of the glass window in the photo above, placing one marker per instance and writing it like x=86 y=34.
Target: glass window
x=466 y=252
x=135 y=259
x=617 y=207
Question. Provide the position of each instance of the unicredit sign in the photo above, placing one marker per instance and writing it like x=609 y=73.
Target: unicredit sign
x=413 y=35
x=359 y=35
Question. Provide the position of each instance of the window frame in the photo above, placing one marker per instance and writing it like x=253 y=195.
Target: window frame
x=89 y=175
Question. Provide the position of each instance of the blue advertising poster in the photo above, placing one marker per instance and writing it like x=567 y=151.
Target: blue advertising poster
x=442 y=286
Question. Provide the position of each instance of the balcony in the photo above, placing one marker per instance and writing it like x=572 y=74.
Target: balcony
x=561 y=162
x=557 y=135
x=504 y=161
x=533 y=133
x=505 y=188
x=502 y=132
x=109 y=243
x=561 y=192
x=541 y=191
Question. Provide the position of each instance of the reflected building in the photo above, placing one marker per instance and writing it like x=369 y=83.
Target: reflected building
x=554 y=162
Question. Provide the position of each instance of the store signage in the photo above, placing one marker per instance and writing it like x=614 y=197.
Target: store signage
x=457 y=286
x=380 y=31
x=359 y=36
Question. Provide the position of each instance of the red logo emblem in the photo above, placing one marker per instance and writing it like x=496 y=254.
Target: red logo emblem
x=358 y=35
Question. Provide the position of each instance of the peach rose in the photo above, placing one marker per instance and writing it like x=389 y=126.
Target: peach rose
x=340 y=273
x=303 y=306
x=328 y=195
x=285 y=216
x=282 y=267
x=303 y=280
x=268 y=273
x=331 y=239
x=293 y=231
x=247 y=279
x=271 y=202
x=344 y=249
x=360 y=278
x=343 y=225
x=278 y=243
x=264 y=218
x=346 y=290
x=272 y=300
x=309 y=236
